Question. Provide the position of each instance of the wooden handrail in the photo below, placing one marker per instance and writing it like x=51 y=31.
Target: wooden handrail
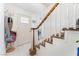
x=33 y=49
x=45 y=18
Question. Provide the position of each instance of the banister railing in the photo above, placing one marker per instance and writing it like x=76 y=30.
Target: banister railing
x=33 y=49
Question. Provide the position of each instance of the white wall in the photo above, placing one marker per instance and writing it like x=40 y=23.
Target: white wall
x=70 y=40
x=2 y=42
x=24 y=34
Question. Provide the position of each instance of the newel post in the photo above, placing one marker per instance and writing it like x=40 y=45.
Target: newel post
x=32 y=50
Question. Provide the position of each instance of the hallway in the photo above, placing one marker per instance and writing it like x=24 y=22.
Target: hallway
x=50 y=29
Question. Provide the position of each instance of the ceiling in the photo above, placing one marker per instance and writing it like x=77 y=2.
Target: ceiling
x=33 y=7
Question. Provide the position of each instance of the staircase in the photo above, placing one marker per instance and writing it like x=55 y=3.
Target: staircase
x=54 y=49
x=50 y=40
x=53 y=45
x=44 y=47
x=61 y=36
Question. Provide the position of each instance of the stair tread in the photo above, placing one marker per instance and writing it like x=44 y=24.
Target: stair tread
x=42 y=44
x=37 y=46
x=58 y=37
x=70 y=29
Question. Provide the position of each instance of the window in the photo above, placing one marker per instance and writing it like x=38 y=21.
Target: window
x=25 y=20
